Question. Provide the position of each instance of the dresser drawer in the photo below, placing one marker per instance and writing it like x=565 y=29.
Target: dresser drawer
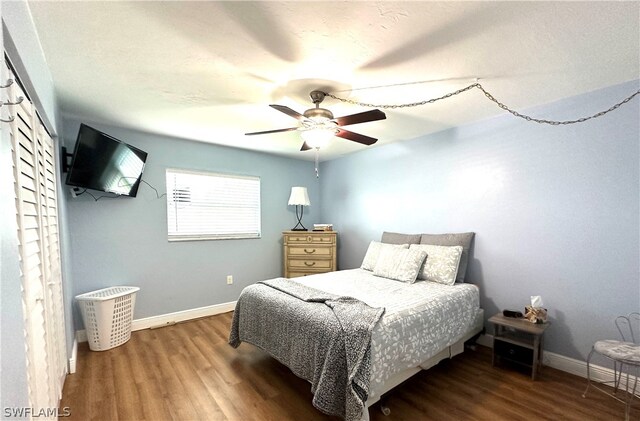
x=300 y=274
x=309 y=239
x=311 y=251
x=309 y=264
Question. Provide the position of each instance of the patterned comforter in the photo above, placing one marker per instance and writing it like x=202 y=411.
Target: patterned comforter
x=420 y=319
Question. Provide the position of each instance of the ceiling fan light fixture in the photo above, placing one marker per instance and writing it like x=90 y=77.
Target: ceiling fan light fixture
x=317 y=126
x=318 y=137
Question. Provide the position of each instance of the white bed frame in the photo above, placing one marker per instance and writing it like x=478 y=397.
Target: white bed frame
x=447 y=352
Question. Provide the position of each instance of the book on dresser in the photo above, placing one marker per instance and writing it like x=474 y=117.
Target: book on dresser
x=309 y=252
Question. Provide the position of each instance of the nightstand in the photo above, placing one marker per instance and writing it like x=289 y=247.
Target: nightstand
x=519 y=341
x=309 y=252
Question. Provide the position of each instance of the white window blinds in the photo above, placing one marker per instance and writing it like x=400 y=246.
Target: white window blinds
x=211 y=206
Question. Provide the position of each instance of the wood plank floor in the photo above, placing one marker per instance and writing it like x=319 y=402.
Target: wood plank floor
x=188 y=372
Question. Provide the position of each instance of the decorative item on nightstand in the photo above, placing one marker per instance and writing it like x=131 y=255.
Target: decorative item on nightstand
x=535 y=313
x=299 y=198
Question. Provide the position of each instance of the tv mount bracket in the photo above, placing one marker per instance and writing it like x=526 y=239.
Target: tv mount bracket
x=64 y=158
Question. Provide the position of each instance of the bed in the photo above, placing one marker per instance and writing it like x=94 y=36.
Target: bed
x=392 y=329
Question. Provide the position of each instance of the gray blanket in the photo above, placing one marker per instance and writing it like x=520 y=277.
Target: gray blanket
x=321 y=337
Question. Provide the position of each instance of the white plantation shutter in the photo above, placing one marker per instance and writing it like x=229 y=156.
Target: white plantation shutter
x=51 y=259
x=41 y=283
x=204 y=205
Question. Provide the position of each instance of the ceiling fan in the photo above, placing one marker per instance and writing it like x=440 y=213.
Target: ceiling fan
x=318 y=126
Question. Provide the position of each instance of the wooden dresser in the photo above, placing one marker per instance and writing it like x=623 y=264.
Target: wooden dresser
x=309 y=252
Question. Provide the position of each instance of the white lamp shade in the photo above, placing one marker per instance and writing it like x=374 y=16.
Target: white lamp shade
x=299 y=196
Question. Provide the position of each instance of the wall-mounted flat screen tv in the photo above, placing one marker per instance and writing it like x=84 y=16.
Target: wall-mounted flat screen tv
x=102 y=162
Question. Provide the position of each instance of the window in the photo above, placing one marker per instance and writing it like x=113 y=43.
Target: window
x=210 y=206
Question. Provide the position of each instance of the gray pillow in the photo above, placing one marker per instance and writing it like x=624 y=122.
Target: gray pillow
x=397 y=238
x=460 y=239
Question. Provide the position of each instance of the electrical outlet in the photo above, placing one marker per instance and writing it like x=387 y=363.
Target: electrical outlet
x=229 y=279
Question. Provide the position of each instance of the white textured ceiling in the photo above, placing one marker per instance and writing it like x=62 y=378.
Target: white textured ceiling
x=208 y=70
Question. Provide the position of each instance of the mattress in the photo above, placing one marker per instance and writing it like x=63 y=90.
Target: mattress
x=420 y=319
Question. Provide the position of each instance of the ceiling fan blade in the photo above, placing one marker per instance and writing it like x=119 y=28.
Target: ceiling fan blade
x=372 y=115
x=272 y=131
x=356 y=137
x=305 y=147
x=288 y=111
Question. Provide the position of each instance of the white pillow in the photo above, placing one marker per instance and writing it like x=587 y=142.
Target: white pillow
x=442 y=263
x=370 y=259
x=400 y=264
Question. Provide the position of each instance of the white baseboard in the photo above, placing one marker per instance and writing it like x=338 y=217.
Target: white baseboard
x=81 y=336
x=167 y=319
x=181 y=316
x=566 y=364
x=74 y=356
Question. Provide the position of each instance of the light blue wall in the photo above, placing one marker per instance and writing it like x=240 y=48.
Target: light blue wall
x=555 y=209
x=124 y=241
x=20 y=41
x=24 y=49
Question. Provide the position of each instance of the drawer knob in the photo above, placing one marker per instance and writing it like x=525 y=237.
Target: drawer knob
x=309 y=263
x=309 y=238
x=309 y=251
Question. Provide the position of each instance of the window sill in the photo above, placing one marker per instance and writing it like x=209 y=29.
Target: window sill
x=212 y=237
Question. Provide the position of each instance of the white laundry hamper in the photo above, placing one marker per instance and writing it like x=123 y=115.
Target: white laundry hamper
x=107 y=315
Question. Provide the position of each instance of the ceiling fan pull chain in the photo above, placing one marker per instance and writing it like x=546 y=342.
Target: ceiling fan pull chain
x=317 y=159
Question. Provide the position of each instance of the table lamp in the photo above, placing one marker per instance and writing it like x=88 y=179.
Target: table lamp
x=299 y=198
